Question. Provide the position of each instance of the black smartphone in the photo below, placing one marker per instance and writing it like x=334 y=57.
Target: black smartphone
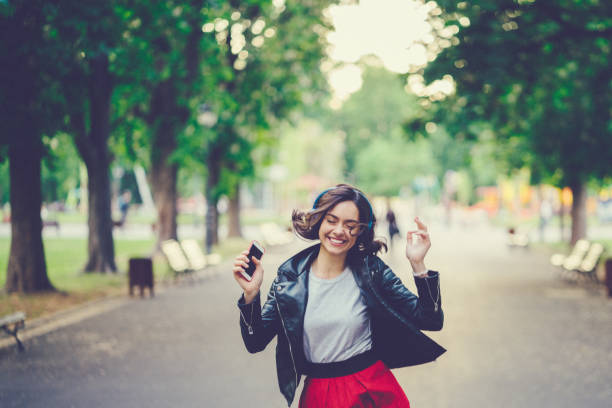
x=256 y=251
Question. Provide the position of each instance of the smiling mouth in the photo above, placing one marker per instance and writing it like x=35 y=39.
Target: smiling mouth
x=336 y=242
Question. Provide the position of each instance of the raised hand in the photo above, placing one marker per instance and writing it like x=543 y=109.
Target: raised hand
x=417 y=245
x=250 y=288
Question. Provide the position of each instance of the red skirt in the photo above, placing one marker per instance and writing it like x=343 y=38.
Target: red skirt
x=372 y=387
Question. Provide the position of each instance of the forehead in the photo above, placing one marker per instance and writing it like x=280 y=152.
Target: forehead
x=345 y=210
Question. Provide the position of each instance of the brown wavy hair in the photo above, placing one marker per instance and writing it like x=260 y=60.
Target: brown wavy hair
x=306 y=224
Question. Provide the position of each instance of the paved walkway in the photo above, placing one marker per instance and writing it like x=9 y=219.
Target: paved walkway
x=516 y=335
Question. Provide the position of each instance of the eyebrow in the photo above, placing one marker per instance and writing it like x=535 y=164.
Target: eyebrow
x=337 y=218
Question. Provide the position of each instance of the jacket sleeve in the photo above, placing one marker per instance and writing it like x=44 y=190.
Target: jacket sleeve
x=258 y=325
x=426 y=309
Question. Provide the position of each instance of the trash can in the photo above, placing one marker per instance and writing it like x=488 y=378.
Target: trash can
x=141 y=274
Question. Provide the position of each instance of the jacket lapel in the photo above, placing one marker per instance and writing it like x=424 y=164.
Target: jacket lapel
x=292 y=297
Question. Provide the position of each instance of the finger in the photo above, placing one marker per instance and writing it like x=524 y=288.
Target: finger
x=409 y=236
x=239 y=259
x=420 y=224
x=256 y=261
x=245 y=252
x=423 y=237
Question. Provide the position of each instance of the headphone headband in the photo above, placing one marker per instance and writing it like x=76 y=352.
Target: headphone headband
x=314 y=206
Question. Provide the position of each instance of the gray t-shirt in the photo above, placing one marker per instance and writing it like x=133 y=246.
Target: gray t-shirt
x=336 y=323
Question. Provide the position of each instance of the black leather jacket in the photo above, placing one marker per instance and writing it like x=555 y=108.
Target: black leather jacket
x=397 y=316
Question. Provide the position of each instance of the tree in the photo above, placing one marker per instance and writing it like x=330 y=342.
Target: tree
x=376 y=111
x=268 y=71
x=386 y=165
x=92 y=36
x=29 y=108
x=537 y=72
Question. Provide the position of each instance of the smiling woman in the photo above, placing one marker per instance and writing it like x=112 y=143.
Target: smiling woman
x=343 y=206
x=342 y=317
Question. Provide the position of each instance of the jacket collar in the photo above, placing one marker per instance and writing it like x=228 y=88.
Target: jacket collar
x=299 y=263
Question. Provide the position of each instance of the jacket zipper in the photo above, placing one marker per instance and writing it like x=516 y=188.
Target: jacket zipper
x=250 y=324
x=286 y=335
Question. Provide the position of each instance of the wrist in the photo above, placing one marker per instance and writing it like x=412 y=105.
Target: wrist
x=418 y=268
x=249 y=297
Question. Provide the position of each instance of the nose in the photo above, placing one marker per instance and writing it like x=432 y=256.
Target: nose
x=338 y=230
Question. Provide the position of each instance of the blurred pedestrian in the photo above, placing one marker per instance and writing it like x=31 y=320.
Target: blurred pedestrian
x=124 y=205
x=342 y=317
x=392 y=224
x=546 y=212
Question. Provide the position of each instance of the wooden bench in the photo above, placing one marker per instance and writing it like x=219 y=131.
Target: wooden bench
x=517 y=239
x=11 y=324
x=582 y=260
x=196 y=257
x=568 y=263
x=51 y=223
x=588 y=266
x=194 y=254
x=177 y=261
x=186 y=257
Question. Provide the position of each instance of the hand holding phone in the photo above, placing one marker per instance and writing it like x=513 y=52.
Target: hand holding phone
x=256 y=251
x=245 y=270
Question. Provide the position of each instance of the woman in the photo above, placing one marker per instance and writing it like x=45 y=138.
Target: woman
x=342 y=317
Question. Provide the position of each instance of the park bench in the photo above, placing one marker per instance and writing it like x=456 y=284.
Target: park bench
x=51 y=223
x=517 y=239
x=197 y=259
x=186 y=257
x=11 y=324
x=177 y=260
x=588 y=266
x=582 y=260
x=574 y=258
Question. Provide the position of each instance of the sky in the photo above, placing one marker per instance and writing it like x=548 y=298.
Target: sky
x=395 y=31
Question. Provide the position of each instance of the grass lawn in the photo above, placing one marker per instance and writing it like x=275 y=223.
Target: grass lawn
x=66 y=257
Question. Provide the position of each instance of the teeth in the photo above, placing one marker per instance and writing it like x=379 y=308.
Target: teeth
x=336 y=241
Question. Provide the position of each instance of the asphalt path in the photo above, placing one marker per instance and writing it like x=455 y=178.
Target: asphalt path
x=517 y=336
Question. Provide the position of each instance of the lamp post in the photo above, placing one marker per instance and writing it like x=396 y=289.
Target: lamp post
x=206 y=117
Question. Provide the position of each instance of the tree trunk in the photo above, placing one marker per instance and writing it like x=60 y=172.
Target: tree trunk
x=93 y=148
x=167 y=117
x=163 y=172
x=212 y=218
x=101 y=248
x=27 y=271
x=578 y=212
x=163 y=177
x=234 y=228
